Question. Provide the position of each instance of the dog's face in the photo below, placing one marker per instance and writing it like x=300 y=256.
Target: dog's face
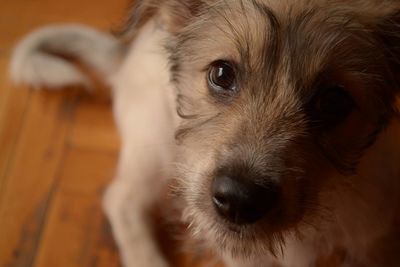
x=277 y=98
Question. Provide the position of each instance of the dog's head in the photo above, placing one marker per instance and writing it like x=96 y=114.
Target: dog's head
x=276 y=98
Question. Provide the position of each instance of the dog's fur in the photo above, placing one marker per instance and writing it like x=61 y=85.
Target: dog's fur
x=340 y=181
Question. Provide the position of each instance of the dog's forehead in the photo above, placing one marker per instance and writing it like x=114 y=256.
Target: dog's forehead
x=268 y=36
x=284 y=42
x=290 y=45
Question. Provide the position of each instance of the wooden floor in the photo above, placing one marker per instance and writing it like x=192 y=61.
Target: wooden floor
x=58 y=151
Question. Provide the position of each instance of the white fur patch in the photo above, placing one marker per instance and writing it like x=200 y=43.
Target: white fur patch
x=33 y=63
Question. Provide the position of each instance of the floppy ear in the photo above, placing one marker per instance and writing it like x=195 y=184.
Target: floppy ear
x=171 y=14
x=388 y=29
x=141 y=12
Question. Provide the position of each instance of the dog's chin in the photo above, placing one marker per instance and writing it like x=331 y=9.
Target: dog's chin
x=239 y=241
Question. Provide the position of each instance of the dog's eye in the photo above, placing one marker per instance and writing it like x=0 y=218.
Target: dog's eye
x=222 y=77
x=332 y=105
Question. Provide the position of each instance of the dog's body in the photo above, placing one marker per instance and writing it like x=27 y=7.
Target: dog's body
x=343 y=200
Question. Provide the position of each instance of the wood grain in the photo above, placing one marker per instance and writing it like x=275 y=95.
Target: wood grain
x=31 y=174
x=75 y=218
x=38 y=130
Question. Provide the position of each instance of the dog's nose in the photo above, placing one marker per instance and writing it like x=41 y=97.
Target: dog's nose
x=242 y=202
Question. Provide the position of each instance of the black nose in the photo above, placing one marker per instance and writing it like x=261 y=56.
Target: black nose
x=242 y=202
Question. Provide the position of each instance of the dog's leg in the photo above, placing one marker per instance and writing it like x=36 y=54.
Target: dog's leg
x=143 y=170
x=143 y=113
x=142 y=173
x=127 y=203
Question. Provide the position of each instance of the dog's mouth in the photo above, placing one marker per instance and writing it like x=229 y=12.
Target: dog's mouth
x=239 y=240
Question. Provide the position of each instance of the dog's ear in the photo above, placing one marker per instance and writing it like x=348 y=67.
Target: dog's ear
x=173 y=15
x=388 y=30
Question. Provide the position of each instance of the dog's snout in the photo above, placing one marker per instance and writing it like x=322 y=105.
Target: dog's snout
x=242 y=202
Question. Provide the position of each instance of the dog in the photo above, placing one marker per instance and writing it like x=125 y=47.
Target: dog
x=274 y=123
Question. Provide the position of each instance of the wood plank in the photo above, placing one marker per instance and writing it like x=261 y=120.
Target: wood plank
x=75 y=218
x=94 y=127
x=77 y=223
x=12 y=108
x=25 y=15
x=86 y=172
x=33 y=130
x=31 y=175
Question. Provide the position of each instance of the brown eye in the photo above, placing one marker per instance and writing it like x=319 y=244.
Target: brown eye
x=332 y=105
x=222 y=77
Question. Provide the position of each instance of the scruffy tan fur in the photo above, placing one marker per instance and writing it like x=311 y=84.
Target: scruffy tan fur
x=339 y=182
